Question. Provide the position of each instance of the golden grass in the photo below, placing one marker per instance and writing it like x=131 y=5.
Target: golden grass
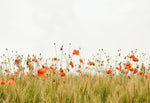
x=76 y=89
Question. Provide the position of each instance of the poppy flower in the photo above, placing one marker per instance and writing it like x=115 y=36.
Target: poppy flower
x=6 y=70
x=63 y=74
x=135 y=59
x=16 y=72
x=127 y=83
x=135 y=70
x=3 y=82
x=118 y=68
x=109 y=71
x=5 y=62
x=16 y=61
x=41 y=72
x=91 y=63
x=147 y=75
x=60 y=70
x=79 y=71
x=131 y=56
x=143 y=67
x=128 y=64
x=71 y=63
x=11 y=82
x=52 y=68
x=58 y=82
x=75 y=52
x=140 y=73
x=54 y=58
x=81 y=60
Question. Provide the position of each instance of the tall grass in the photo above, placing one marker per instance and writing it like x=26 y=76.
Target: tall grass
x=76 y=89
x=33 y=80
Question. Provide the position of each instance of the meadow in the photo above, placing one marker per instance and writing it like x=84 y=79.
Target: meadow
x=70 y=78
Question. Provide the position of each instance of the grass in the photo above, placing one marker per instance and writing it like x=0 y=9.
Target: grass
x=76 y=89
x=34 y=80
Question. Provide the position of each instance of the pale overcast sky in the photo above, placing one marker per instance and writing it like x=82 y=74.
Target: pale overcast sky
x=32 y=25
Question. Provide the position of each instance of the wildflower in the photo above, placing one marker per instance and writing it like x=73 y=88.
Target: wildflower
x=58 y=82
x=147 y=75
x=17 y=62
x=5 y=62
x=52 y=68
x=71 y=63
x=91 y=63
x=109 y=71
x=34 y=59
x=60 y=70
x=79 y=71
x=11 y=82
x=81 y=60
x=63 y=74
x=16 y=72
x=140 y=73
x=135 y=59
x=6 y=70
x=128 y=64
x=75 y=52
x=3 y=82
x=55 y=59
x=127 y=83
x=143 y=67
x=41 y=72
x=135 y=70
x=131 y=56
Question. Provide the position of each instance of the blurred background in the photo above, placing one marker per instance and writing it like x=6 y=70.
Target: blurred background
x=33 y=26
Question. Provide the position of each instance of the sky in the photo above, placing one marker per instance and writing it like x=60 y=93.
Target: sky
x=32 y=26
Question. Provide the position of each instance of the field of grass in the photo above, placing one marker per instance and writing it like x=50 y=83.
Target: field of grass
x=63 y=80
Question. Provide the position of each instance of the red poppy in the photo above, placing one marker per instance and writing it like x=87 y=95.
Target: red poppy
x=75 y=52
x=61 y=70
x=11 y=82
x=135 y=70
x=16 y=61
x=79 y=71
x=147 y=75
x=16 y=72
x=131 y=56
x=127 y=83
x=143 y=67
x=91 y=63
x=109 y=71
x=71 y=63
x=54 y=58
x=3 y=82
x=63 y=74
x=128 y=64
x=52 y=68
x=81 y=60
x=41 y=72
x=34 y=59
x=135 y=59
x=6 y=70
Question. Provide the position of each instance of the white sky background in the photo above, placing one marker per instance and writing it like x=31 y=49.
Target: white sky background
x=32 y=26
